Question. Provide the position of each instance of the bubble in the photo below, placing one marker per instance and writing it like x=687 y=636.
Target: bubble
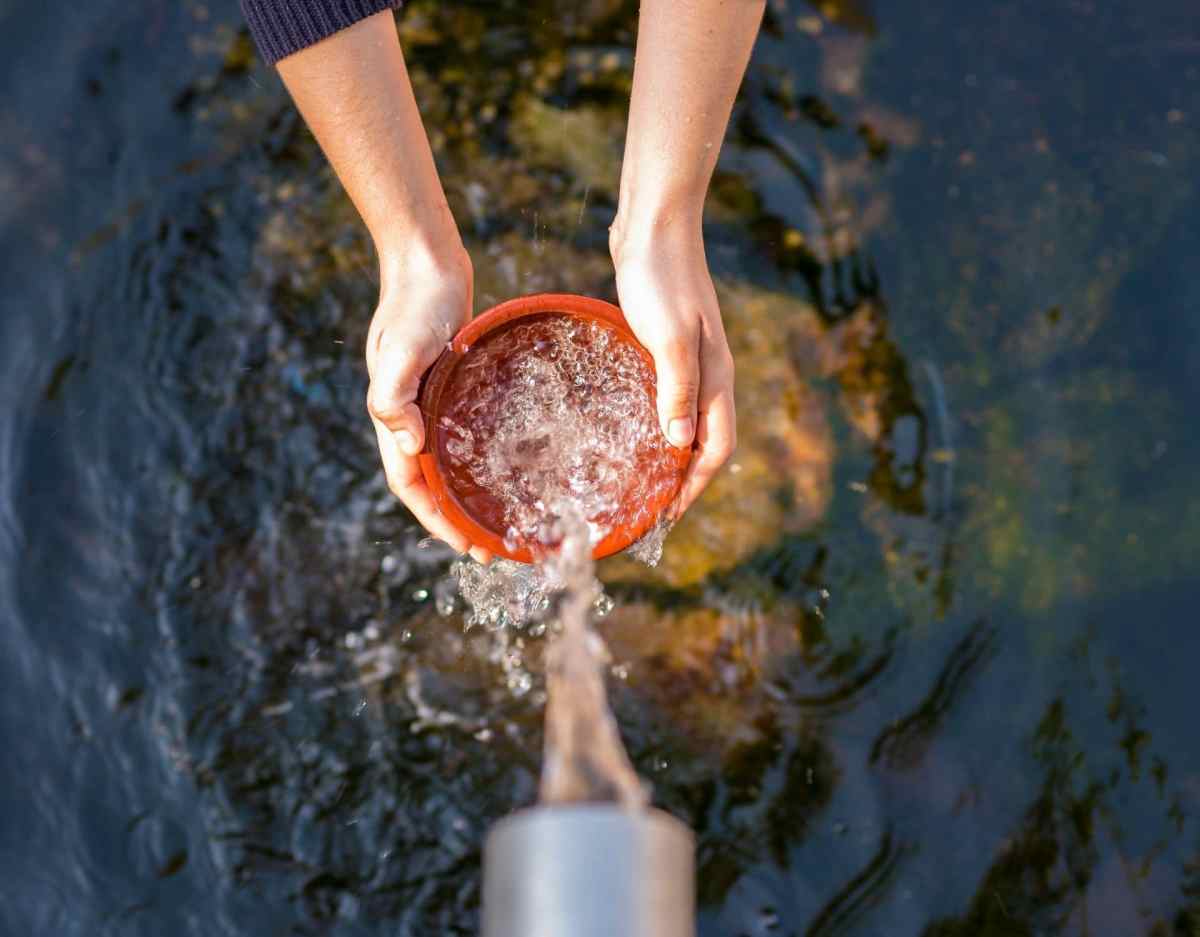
x=444 y=598
x=557 y=413
x=520 y=683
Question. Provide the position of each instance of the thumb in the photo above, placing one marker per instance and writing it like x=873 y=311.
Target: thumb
x=677 y=362
x=401 y=357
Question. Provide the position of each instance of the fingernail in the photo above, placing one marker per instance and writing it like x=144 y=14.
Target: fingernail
x=407 y=442
x=679 y=431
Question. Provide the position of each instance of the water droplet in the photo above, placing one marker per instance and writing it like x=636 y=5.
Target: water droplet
x=519 y=683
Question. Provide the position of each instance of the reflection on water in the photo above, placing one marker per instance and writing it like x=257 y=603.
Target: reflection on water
x=919 y=663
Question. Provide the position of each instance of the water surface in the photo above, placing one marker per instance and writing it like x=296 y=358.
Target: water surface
x=923 y=661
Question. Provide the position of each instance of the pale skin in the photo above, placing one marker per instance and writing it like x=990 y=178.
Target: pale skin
x=353 y=90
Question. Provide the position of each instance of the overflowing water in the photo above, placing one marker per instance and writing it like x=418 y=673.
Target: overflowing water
x=555 y=414
x=551 y=433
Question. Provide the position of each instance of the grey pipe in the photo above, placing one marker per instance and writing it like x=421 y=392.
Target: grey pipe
x=589 y=870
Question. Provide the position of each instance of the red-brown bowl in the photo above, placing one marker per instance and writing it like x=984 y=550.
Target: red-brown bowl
x=430 y=400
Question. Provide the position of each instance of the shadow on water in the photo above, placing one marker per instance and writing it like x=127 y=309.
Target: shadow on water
x=920 y=662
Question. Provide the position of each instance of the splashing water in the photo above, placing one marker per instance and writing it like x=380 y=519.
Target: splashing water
x=556 y=425
x=649 y=549
x=584 y=758
x=554 y=411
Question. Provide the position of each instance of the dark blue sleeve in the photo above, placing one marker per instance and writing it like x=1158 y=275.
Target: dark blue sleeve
x=281 y=27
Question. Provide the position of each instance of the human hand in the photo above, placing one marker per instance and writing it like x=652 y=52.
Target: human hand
x=421 y=307
x=690 y=58
x=668 y=299
x=354 y=91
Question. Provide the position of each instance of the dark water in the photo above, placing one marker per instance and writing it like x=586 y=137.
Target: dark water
x=923 y=664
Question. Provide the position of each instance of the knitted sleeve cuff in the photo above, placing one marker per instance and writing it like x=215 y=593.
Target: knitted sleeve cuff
x=281 y=27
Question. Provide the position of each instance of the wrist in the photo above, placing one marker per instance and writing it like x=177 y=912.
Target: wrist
x=422 y=253
x=669 y=228
x=431 y=291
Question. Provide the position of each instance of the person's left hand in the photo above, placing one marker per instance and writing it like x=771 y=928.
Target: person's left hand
x=668 y=299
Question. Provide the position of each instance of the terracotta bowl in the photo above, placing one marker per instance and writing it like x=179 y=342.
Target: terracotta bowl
x=471 y=512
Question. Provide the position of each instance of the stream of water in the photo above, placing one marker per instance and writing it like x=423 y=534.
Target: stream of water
x=550 y=433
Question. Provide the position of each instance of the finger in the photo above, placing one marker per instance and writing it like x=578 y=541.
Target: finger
x=480 y=555
x=716 y=439
x=403 y=420
x=408 y=484
x=402 y=354
x=677 y=361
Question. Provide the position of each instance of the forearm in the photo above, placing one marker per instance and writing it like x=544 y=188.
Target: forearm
x=354 y=92
x=691 y=55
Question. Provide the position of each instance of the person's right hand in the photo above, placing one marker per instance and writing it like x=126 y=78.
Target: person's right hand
x=421 y=307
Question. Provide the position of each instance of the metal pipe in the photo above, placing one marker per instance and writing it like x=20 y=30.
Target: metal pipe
x=589 y=870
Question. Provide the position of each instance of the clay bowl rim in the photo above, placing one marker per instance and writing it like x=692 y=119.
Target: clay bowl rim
x=434 y=382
